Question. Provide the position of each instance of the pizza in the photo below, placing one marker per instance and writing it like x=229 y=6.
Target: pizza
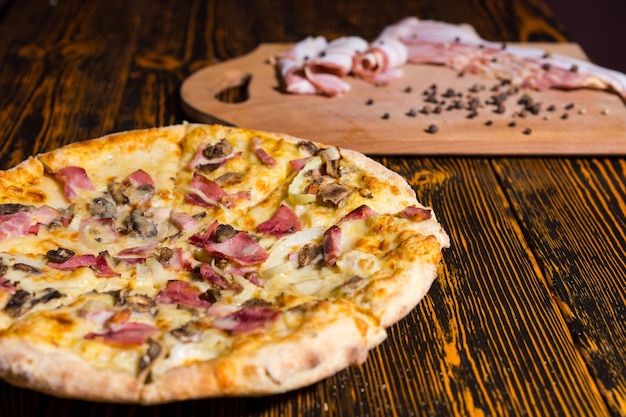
x=195 y=261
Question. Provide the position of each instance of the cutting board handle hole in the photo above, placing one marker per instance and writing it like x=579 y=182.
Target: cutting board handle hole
x=235 y=89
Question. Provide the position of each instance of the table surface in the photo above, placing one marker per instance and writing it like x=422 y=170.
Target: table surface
x=528 y=315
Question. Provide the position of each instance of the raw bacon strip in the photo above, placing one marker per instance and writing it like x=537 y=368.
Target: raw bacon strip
x=331 y=246
x=284 y=222
x=337 y=57
x=459 y=47
x=382 y=62
x=360 y=213
x=261 y=153
x=247 y=320
x=291 y=65
x=180 y=292
x=74 y=179
x=240 y=248
x=129 y=333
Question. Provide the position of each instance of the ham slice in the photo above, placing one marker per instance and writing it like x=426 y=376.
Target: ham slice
x=75 y=179
x=240 y=248
x=265 y=158
x=181 y=292
x=360 y=213
x=98 y=263
x=25 y=222
x=139 y=177
x=128 y=333
x=283 y=222
x=331 y=245
x=249 y=319
x=204 y=192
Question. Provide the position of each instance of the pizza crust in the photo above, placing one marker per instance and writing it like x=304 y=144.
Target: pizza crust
x=61 y=373
x=334 y=337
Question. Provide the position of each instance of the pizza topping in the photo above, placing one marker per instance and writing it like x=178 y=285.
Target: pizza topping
x=297 y=187
x=333 y=193
x=103 y=208
x=15 y=306
x=59 y=255
x=138 y=251
x=416 y=213
x=116 y=190
x=284 y=221
x=12 y=208
x=75 y=179
x=212 y=157
x=332 y=158
x=209 y=274
x=98 y=263
x=48 y=295
x=248 y=319
x=180 y=292
x=128 y=333
x=25 y=222
x=308 y=146
x=310 y=252
x=230 y=178
x=331 y=247
x=138 y=223
x=360 y=213
x=5 y=284
x=261 y=153
x=223 y=232
x=136 y=302
x=155 y=352
x=204 y=192
x=183 y=220
x=190 y=332
x=29 y=269
x=240 y=248
x=139 y=178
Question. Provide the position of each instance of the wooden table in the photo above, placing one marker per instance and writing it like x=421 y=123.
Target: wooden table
x=528 y=316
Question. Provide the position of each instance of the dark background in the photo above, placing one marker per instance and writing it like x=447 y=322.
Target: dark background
x=598 y=26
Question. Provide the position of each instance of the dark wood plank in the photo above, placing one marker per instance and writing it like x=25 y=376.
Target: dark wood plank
x=573 y=212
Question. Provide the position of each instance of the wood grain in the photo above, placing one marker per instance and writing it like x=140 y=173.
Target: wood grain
x=527 y=316
x=374 y=119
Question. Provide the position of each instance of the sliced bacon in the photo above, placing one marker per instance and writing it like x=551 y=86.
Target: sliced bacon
x=265 y=158
x=291 y=65
x=229 y=200
x=128 y=333
x=181 y=292
x=298 y=164
x=283 y=222
x=360 y=213
x=204 y=192
x=199 y=159
x=459 y=47
x=382 y=62
x=98 y=263
x=240 y=248
x=180 y=260
x=336 y=57
x=248 y=319
x=331 y=245
x=200 y=239
x=74 y=179
x=139 y=177
x=416 y=213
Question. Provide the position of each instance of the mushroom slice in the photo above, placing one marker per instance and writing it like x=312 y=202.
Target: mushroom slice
x=333 y=193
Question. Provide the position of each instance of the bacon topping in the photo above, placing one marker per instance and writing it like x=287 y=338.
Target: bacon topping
x=204 y=192
x=210 y=275
x=284 y=222
x=180 y=292
x=416 y=213
x=128 y=333
x=331 y=245
x=98 y=263
x=241 y=249
x=248 y=319
x=25 y=222
x=360 y=213
x=261 y=153
x=183 y=220
x=74 y=179
x=212 y=157
x=139 y=177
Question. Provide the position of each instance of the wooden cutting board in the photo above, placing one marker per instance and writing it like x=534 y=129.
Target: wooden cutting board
x=378 y=119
